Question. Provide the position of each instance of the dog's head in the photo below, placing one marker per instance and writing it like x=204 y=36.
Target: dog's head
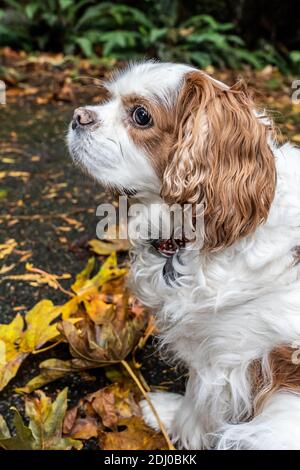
x=173 y=131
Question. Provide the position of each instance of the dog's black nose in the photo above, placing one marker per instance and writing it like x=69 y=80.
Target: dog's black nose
x=83 y=117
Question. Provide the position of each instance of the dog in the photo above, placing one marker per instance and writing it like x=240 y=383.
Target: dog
x=230 y=311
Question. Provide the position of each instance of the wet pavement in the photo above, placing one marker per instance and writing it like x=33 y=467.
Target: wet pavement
x=33 y=211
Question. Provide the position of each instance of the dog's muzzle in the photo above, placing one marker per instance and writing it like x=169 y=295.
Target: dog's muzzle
x=83 y=117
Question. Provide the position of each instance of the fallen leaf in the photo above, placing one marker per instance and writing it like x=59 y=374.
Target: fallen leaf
x=24 y=175
x=84 y=275
x=41 y=100
x=114 y=403
x=63 y=229
x=65 y=93
x=84 y=428
x=7 y=248
x=108 y=271
x=111 y=321
x=5 y=269
x=45 y=426
x=19 y=308
x=11 y=357
x=296 y=138
x=31 y=91
x=101 y=247
x=98 y=310
x=4 y=431
x=296 y=107
x=102 y=344
x=136 y=436
x=3 y=193
x=102 y=409
x=40 y=329
x=25 y=335
x=51 y=370
x=25 y=256
x=39 y=277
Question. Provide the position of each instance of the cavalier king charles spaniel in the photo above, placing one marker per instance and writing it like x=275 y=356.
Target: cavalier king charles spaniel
x=230 y=311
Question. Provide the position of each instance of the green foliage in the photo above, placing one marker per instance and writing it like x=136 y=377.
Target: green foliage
x=295 y=59
x=122 y=32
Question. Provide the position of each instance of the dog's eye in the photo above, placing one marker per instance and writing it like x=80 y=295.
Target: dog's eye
x=141 y=117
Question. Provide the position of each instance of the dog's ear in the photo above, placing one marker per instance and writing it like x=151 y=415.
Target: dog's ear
x=221 y=158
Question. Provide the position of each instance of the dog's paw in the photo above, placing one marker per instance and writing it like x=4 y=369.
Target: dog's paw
x=166 y=406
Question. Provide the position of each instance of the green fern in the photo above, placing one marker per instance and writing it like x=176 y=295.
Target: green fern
x=121 y=31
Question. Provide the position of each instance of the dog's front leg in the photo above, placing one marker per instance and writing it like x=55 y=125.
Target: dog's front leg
x=189 y=419
x=197 y=416
x=166 y=405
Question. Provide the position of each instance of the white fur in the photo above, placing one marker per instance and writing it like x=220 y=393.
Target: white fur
x=150 y=79
x=227 y=308
x=166 y=405
x=277 y=427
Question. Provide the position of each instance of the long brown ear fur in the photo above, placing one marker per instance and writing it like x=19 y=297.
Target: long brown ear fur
x=222 y=159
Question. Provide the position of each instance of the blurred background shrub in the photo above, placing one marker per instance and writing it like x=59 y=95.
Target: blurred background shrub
x=224 y=33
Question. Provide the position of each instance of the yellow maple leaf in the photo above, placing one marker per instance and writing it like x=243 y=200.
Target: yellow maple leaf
x=108 y=271
x=84 y=275
x=87 y=288
x=39 y=328
x=98 y=310
x=25 y=335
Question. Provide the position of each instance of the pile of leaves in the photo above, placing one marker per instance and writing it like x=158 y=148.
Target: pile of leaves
x=104 y=325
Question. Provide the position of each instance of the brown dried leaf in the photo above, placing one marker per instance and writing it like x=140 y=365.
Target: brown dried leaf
x=111 y=322
x=136 y=436
x=114 y=403
x=85 y=428
x=105 y=408
x=101 y=344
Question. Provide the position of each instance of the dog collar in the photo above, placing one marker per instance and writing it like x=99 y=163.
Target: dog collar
x=168 y=248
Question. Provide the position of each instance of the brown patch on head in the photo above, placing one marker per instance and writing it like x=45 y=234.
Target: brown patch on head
x=220 y=158
x=281 y=372
x=157 y=139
